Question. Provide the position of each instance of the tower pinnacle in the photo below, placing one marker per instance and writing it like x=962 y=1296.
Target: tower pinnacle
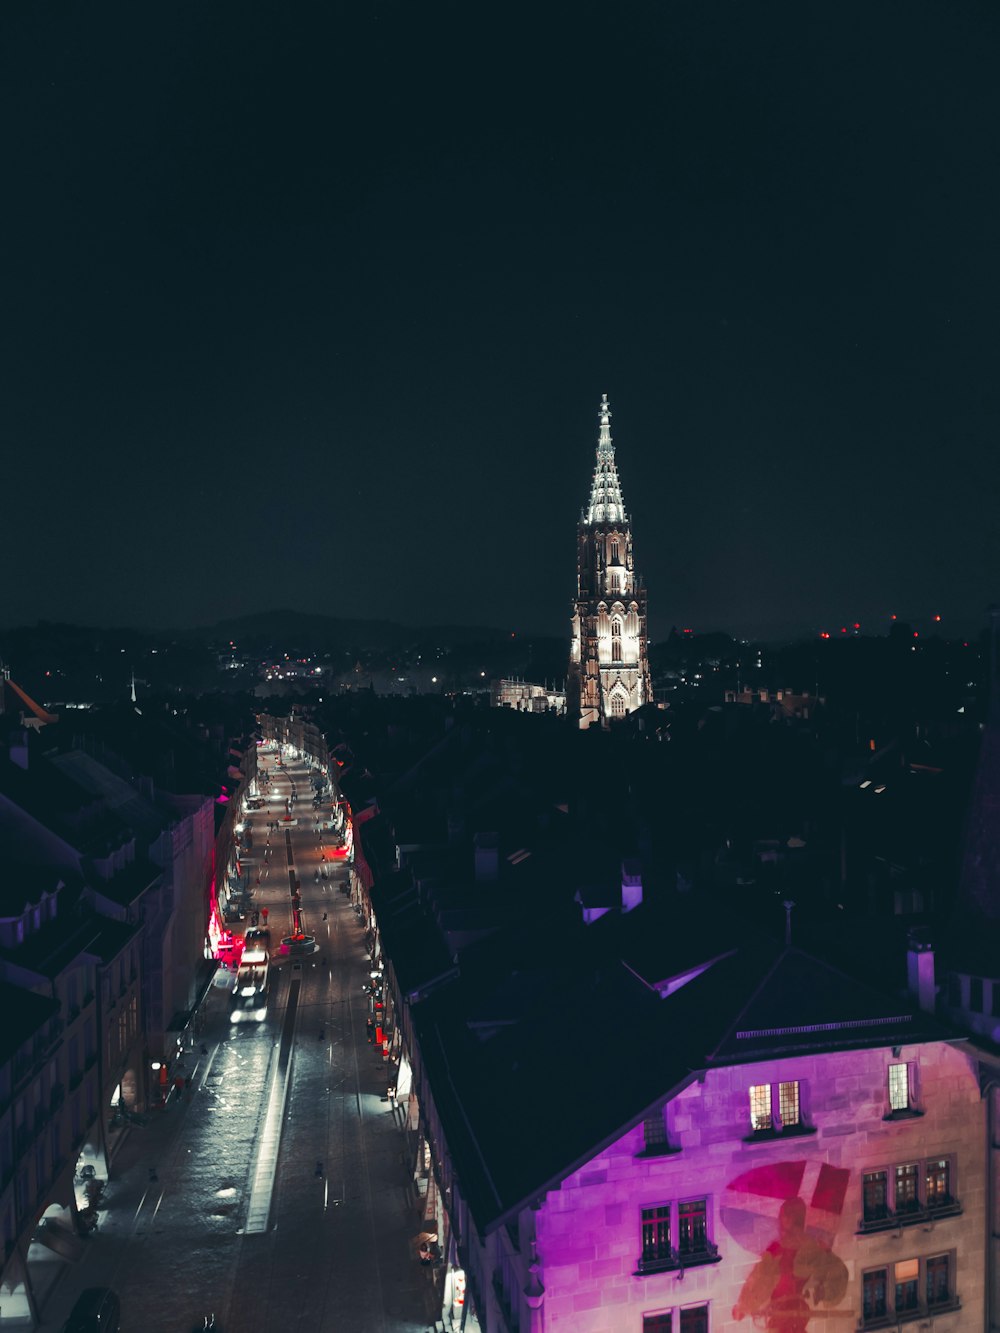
x=606 y=503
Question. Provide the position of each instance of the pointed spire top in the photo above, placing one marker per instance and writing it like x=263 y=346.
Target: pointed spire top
x=604 y=440
x=606 y=503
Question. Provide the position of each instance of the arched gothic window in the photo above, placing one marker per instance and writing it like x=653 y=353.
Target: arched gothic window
x=614 y=553
x=617 y=706
x=616 y=650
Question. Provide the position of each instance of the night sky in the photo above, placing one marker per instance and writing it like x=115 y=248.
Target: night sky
x=312 y=306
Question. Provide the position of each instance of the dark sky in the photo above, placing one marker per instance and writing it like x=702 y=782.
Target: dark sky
x=313 y=305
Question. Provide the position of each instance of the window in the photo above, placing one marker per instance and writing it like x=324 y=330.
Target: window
x=614 y=554
x=938 y=1280
x=938 y=1182
x=616 y=650
x=654 y=1134
x=616 y=629
x=776 y=1108
x=788 y=1104
x=694 y=1319
x=899 y=1087
x=907 y=1276
x=908 y=1192
x=676 y=1236
x=760 y=1107
x=875 y=1196
x=692 y=1227
x=909 y=1288
x=907 y=1195
x=874 y=1301
x=655 y=1234
x=617 y=706
x=658 y=1323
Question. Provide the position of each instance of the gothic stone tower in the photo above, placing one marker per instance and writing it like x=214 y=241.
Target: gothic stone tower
x=608 y=669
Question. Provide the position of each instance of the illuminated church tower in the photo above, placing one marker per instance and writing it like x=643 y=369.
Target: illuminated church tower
x=609 y=668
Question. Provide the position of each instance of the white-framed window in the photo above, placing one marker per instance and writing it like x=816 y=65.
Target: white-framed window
x=899 y=1088
x=688 y=1319
x=617 y=706
x=775 y=1106
x=908 y=1289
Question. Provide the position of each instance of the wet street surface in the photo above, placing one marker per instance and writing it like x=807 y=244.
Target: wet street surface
x=337 y=1253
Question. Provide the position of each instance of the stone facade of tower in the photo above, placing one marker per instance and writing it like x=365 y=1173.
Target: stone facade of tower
x=609 y=668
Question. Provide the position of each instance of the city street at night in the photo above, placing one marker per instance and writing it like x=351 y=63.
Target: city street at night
x=226 y=1200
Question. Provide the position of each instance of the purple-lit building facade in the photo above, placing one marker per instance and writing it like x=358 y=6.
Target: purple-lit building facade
x=734 y=1136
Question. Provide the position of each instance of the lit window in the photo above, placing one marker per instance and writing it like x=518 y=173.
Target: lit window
x=899 y=1087
x=617 y=706
x=908 y=1193
x=908 y=1288
x=760 y=1107
x=788 y=1104
x=907 y=1275
x=938 y=1179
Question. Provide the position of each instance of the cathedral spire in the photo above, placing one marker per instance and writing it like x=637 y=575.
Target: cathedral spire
x=609 y=666
x=606 y=503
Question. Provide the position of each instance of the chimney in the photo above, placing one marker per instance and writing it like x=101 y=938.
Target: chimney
x=920 y=969
x=631 y=885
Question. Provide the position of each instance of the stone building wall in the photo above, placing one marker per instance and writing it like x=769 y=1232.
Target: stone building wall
x=589 y=1231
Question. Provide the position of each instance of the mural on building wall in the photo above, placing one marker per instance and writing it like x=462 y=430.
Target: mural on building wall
x=798 y=1276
